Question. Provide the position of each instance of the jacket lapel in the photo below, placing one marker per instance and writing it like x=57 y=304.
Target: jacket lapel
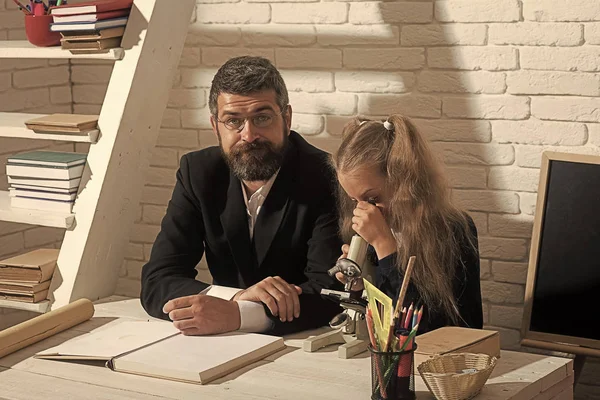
x=234 y=219
x=273 y=209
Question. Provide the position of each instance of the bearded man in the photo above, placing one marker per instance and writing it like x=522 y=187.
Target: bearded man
x=260 y=206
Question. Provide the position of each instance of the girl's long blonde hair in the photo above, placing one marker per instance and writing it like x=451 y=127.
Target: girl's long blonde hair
x=420 y=212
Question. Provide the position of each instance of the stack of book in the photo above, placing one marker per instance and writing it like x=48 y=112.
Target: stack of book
x=71 y=124
x=92 y=26
x=44 y=180
x=26 y=277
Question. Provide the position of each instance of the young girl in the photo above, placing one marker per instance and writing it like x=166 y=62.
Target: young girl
x=393 y=194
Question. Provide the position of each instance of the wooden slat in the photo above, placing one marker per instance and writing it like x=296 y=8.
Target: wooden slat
x=556 y=390
x=33 y=217
x=24 y=49
x=40 y=307
x=23 y=385
x=12 y=125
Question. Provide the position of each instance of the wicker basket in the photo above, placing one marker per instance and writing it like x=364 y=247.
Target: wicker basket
x=457 y=376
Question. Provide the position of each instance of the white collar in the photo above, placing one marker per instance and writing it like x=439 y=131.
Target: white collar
x=262 y=191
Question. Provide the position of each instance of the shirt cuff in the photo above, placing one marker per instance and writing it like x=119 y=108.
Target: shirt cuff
x=222 y=292
x=253 y=317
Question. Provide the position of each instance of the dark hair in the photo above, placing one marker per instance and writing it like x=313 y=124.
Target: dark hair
x=245 y=75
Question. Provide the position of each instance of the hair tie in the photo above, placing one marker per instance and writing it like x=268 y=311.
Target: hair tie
x=388 y=125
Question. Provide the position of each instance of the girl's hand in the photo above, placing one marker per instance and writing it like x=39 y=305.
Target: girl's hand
x=368 y=222
x=345 y=249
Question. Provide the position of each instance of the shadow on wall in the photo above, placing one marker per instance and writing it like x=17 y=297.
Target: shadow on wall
x=398 y=57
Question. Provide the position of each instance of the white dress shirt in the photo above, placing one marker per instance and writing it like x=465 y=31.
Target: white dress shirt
x=252 y=314
x=254 y=204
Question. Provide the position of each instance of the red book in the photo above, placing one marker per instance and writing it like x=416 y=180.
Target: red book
x=91 y=17
x=90 y=7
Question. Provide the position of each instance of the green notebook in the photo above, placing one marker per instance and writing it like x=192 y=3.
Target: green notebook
x=49 y=158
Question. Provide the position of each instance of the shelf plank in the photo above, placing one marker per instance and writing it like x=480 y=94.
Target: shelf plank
x=33 y=217
x=24 y=49
x=40 y=307
x=12 y=125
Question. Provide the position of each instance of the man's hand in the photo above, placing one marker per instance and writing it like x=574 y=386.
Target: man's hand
x=279 y=296
x=200 y=314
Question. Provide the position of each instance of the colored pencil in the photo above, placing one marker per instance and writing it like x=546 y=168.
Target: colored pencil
x=403 y=288
x=22 y=7
x=419 y=315
x=415 y=318
x=408 y=319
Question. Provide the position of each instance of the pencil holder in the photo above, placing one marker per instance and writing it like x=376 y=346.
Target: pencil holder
x=392 y=374
x=37 y=29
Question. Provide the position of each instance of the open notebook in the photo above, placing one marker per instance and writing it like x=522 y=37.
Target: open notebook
x=158 y=349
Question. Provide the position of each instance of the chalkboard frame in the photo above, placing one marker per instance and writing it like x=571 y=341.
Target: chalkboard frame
x=527 y=334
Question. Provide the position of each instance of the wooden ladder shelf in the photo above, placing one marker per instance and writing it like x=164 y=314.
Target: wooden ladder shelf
x=97 y=232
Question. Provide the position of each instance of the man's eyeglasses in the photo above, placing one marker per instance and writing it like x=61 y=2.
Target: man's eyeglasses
x=262 y=120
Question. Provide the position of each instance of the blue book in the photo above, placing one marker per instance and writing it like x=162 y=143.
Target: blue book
x=56 y=159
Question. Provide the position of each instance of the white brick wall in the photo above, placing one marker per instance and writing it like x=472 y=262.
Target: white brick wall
x=473 y=58
x=492 y=83
x=563 y=11
x=536 y=34
x=477 y=11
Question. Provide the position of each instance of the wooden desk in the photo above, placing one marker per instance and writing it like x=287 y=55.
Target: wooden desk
x=289 y=374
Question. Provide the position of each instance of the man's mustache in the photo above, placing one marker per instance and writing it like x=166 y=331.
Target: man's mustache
x=256 y=145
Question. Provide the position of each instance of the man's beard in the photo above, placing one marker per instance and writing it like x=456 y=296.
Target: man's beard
x=256 y=161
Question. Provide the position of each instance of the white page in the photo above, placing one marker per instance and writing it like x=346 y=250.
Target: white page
x=189 y=358
x=110 y=341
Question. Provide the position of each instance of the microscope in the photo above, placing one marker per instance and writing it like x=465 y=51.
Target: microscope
x=349 y=327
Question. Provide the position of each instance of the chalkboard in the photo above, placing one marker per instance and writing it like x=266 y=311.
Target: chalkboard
x=563 y=292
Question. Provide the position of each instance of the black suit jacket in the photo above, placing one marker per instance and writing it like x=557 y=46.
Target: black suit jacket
x=295 y=234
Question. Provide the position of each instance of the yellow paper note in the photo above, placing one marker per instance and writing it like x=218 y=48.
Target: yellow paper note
x=381 y=322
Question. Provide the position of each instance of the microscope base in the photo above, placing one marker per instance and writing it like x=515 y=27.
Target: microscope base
x=351 y=344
